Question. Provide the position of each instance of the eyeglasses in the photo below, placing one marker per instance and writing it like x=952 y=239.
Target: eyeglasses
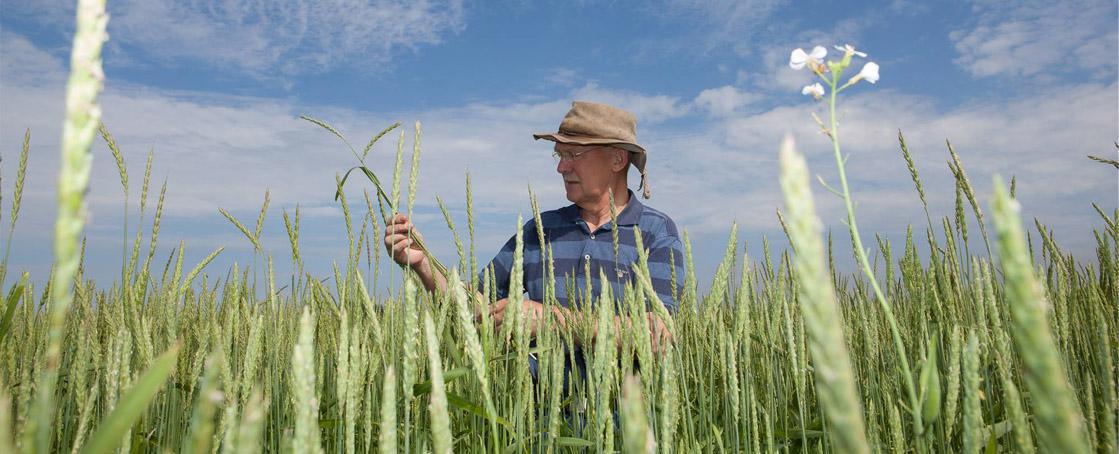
x=568 y=156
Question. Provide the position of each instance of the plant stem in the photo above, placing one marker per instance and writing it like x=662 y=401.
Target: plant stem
x=860 y=254
x=82 y=117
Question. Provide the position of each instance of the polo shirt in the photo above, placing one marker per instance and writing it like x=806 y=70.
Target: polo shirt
x=573 y=246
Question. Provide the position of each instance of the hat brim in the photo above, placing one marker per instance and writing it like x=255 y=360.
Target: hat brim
x=638 y=161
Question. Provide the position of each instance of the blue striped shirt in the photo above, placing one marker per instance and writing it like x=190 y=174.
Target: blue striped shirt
x=573 y=246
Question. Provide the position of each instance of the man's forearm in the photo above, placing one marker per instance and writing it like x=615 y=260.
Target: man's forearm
x=431 y=279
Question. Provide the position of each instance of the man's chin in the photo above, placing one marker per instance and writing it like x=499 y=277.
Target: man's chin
x=571 y=192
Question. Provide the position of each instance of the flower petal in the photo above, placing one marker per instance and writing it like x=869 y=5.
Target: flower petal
x=818 y=53
x=869 y=72
x=847 y=48
x=798 y=58
x=816 y=90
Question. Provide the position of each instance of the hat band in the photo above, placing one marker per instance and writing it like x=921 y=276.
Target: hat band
x=573 y=133
x=568 y=132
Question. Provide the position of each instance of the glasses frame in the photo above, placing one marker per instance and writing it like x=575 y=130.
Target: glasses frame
x=572 y=157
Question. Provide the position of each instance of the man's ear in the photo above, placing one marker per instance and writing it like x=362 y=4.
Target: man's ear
x=621 y=160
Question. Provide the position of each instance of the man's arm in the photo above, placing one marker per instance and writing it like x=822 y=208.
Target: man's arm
x=399 y=234
x=402 y=248
x=666 y=265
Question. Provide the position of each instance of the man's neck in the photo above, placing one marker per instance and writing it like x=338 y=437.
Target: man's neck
x=599 y=213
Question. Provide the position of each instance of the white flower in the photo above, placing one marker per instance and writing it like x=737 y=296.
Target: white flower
x=799 y=58
x=869 y=72
x=849 y=49
x=816 y=90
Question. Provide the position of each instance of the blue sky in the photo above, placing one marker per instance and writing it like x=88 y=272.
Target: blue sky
x=214 y=90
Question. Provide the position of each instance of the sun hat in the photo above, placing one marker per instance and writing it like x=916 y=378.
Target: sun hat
x=589 y=123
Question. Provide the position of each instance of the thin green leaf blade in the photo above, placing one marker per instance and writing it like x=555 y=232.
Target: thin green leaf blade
x=110 y=432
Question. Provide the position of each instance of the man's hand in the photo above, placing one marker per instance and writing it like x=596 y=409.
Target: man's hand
x=659 y=333
x=401 y=240
x=533 y=312
x=401 y=247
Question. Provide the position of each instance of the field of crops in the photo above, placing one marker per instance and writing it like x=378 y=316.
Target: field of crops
x=1013 y=348
x=328 y=365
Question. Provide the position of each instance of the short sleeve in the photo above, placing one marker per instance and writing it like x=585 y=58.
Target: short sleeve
x=666 y=265
x=500 y=266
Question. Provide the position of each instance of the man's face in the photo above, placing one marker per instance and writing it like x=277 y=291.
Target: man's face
x=587 y=170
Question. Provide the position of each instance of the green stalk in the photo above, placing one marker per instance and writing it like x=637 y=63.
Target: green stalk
x=835 y=378
x=17 y=195
x=82 y=117
x=1057 y=414
x=860 y=254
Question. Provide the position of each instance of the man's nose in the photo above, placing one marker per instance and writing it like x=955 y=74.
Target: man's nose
x=563 y=166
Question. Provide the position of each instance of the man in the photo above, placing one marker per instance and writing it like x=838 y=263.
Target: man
x=594 y=148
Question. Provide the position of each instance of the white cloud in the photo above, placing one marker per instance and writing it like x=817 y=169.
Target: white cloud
x=724 y=21
x=1039 y=38
x=220 y=151
x=26 y=64
x=564 y=77
x=698 y=27
x=742 y=76
x=264 y=38
x=725 y=100
x=1041 y=139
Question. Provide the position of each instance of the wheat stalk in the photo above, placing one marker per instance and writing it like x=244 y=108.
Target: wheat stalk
x=387 y=437
x=440 y=421
x=82 y=117
x=835 y=385
x=305 y=400
x=638 y=438
x=1059 y=421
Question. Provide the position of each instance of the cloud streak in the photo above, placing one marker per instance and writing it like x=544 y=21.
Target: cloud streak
x=1035 y=39
x=288 y=37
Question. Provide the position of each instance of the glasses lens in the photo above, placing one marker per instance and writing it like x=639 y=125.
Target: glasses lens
x=570 y=156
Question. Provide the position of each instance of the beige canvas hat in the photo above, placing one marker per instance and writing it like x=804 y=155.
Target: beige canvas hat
x=589 y=123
